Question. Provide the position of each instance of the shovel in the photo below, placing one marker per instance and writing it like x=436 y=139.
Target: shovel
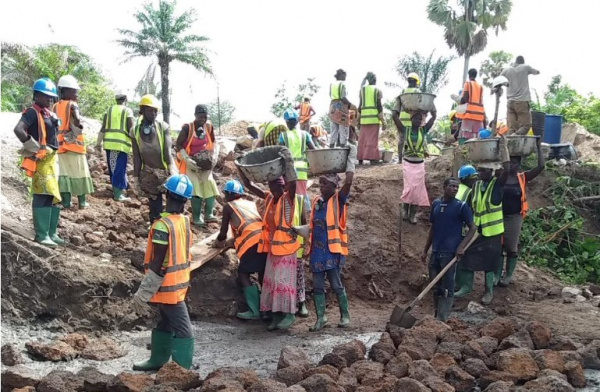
x=401 y=316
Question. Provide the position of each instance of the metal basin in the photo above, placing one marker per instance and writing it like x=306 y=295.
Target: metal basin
x=521 y=145
x=483 y=150
x=414 y=102
x=327 y=160
x=262 y=164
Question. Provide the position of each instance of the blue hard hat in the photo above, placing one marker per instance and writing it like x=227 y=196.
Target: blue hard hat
x=180 y=185
x=290 y=114
x=45 y=86
x=485 y=133
x=466 y=171
x=234 y=186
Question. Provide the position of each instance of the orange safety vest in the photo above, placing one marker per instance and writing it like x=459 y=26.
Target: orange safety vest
x=475 y=110
x=524 y=203
x=208 y=128
x=29 y=164
x=63 y=111
x=304 y=112
x=249 y=231
x=177 y=271
x=285 y=241
x=337 y=235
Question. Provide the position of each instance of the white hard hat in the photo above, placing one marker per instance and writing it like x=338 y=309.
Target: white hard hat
x=500 y=81
x=68 y=81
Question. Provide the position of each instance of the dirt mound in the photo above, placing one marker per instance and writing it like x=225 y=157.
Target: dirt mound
x=238 y=128
x=586 y=143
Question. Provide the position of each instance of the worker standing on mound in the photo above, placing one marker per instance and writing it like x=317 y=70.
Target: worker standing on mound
x=518 y=109
x=339 y=111
x=167 y=265
x=306 y=113
x=413 y=87
x=370 y=117
x=474 y=118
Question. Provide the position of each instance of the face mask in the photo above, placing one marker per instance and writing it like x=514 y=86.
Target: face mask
x=148 y=129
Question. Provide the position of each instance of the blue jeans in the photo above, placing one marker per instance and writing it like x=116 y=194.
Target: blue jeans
x=437 y=262
x=335 y=280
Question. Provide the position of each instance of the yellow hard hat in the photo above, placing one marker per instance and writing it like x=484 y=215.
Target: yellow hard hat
x=149 y=100
x=413 y=75
x=451 y=114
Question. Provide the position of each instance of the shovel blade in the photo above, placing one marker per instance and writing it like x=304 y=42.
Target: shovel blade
x=402 y=318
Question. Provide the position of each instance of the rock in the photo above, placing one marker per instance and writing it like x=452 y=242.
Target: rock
x=569 y=300
x=518 y=361
x=420 y=369
x=459 y=379
x=499 y=386
x=137 y=258
x=548 y=359
x=60 y=381
x=175 y=375
x=11 y=356
x=575 y=374
x=76 y=340
x=570 y=292
x=382 y=352
x=396 y=333
x=129 y=382
x=290 y=375
x=475 y=367
x=103 y=349
x=295 y=388
x=364 y=368
x=495 y=376
x=348 y=380
x=409 y=385
x=488 y=344
x=352 y=351
x=133 y=203
x=419 y=343
x=595 y=289
x=473 y=350
x=244 y=142
x=387 y=383
x=94 y=380
x=492 y=361
x=228 y=168
x=499 y=328
x=246 y=377
x=590 y=355
x=334 y=360
x=320 y=383
x=549 y=384
x=293 y=356
x=540 y=334
x=580 y=298
x=519 y=339
x=92 y=238
x=436 y=384
x=461 y=336
x=398 y=366
x=551 y=373
x=218 y=384
x=587 y=294
x=331 y=371
x=452 y=349
x=563 y=343
x=18 y=377
x=267 y=385
x=25 y=389
x=441 y=362
x=55 y=351
x=569 y=356
x=77 y=240
x=162 y=388
x=430 y=322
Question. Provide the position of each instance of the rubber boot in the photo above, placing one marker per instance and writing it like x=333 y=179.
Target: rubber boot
x=183 y=352
x=511 y=264
x=436 y=302
x=209 y=210
x=83 y=202
x=118 y=195
x=320 y=309
x=161 y=347
x=54 y=218
x=489 y=288
x=444 y=308
x=253 y=301
x=276 y=319
x=287 y=321
x=344 y=312
x=465 y=278
x=41 y=223
x=66 y=199
x=405 y=210
x=498 y=272
x=412 y=215
x=302 y=310
x=197 y=218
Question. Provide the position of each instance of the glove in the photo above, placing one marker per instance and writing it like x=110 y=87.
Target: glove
x=31 y=145
x=303 y=231
x=140 y=307
x=290 y=170
x=188 y=161
x=149 y=286
x=351 y=162
x=503 y=145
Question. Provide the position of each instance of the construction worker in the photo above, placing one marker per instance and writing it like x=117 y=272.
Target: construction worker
x=474 y=118
x=370 y=117
x=74 y=177
x=194 y=138
x=467 y=176
x=514 y=209
x=115 y=137
x=413 y=87
x=166 y=282
x=486 y=252
x=448 y=217
x=519 y=96
x=318 y=135
x=152 y=159
x=37 y=130
x=338 y=110
x=306 y=113
x=298 y=142
x=269 y=132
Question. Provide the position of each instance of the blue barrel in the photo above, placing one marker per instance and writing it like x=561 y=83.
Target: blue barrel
x=553 y=129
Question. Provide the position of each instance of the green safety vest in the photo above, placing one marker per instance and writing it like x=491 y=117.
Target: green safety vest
x=414 y=150
x=368 y=108
x=295 y=140
x=463 y=192
x=488 y=217
x=160 y=131
x=116 y=137
x=405 y=116
x=335 y=90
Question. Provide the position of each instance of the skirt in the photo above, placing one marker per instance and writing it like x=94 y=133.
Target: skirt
x=512 y=232
x=45 y=178
x=484 y=255
x=204 y=184
x=279 y=293
x=117 y=168
x=75 y=175
x=252 y=261
x=414 y=191
x=368 y=143
x=301 y=283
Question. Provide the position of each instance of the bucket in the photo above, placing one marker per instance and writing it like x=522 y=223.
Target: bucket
x=538 y=120
x=387 y=155
x=552 y=129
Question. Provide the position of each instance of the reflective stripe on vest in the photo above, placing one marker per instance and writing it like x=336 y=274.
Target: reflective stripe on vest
x=475 y=110
x=295 y=140
x=29 y=164
x=63 y=111
x=487 y=216
x=368 y=108
x=414 y=150
x=177 y=271
x=524 y=203
x=463 y=192
x=335 y=90
x=405 y=116
x=160 y=133
x=337 y=236
x=304 y=112
x=285 y=240
x=116 y=137
x=249 y=231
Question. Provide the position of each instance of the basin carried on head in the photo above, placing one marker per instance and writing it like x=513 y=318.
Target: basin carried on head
x=521 y=145
x=483 y=150
x=327 y=160
x=262 y=165
x=415 y=102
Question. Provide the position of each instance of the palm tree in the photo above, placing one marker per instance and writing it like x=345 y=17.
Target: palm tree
x=466 y=23
x=433 y=72
x=163 y=35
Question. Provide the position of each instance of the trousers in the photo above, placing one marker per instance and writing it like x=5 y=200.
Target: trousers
x=335 y=280
x=437 y=262
x=339 y=134
x=175 y=319
x=519 y=117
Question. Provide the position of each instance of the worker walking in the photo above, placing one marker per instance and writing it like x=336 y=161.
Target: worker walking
x=338 y=110
x=167 y=266
x=306 y=113
x=115 y=137
x=152 y=159
x=74 y=178
x=413 y=87
x=474 y=118
x=519 y=96
x=370 y=117
x=269 y=132
x=194 y=138
x=37 y=130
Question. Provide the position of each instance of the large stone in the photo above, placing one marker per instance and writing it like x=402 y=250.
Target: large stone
x=78 y=341
x=320 y=383
x=293 y=356
x=348 y=380
x=244 y=376
x=518 y=362
x=383 y=350
x=551 y=373
x=103 y=349
x=94 y=380
x=436 y=384
x=163 y=388
x=563 y=343
x=473 y=350
x=519 y=339
x=129 y=382
x=441 y=363
x=56 y=351
x=569 y=356
x=595 y=289
x=352 y=351
x=590 y=355
x=409 y=385
x=495 y=376
x=267 y=385
x=462 y=337
x=499 y=328
x=334 y=360
x=475 y=367
x=575 y=374
x=452 y=349
x=549 y=384
x=499 y=386
x=364 y=368
x=11 y=356
x=218 y=384
x=540 y=334
x=19 y=377
x=570 y=292
x=387 y=383
x=398 y=366
x=420 y=369
x=419 y=343
x=177 y=376
x=396 y=333
x=431 y=323
x=60 y=381
x=459 y=379
x=488 y=344
x=295 y=388
x=290 y=375
x=330 y=370
x=548 y=359
x=24 y=389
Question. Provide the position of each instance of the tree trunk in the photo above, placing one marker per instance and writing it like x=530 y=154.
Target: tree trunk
x=465 y=69
x=164 y=88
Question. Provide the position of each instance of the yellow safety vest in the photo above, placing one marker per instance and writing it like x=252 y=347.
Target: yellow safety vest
x=488 y=217
x=160 y=131
x=116 y=137
x=368 y=108
x=295 y=140
x=405 y=116
x=463 y=192
x=411 y=149
x=335 y=90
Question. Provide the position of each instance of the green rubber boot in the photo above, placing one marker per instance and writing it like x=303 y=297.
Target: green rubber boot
x=41 y=222
x=209 y=210
x=320 y=309
x=54 y=218
x=276 y=318
x=405 y=210
x=183 y=352
x=253 y=301
x=118 y=195
x=465 y=279
x=412 y=214
x=82 y=199
x=498 y=272
x=344 y=312
x=489 y=288
x=197 y=211
x=161 y=346
x=66 y=199
x=511 y=264
x=303 y=310
x=288 y=320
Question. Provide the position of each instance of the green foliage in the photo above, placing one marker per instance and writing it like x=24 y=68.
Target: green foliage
x=148 y=84
x=433 y=72
x=493 y=66
x=325 y=122
x=283 y=100
x=226 y=112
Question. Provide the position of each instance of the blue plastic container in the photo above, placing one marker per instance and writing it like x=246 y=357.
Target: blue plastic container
x=552 y=129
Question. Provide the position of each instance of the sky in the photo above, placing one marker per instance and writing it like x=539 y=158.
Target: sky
x=255 y=46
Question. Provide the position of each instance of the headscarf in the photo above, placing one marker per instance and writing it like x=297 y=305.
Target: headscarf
x=333 y=178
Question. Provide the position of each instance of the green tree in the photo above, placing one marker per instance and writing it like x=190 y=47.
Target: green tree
x=220 y=113
x=433 y=72
x=148 y=84
x=163 y=35
x=466 y=23
x=493 y=66
x=283 y=100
